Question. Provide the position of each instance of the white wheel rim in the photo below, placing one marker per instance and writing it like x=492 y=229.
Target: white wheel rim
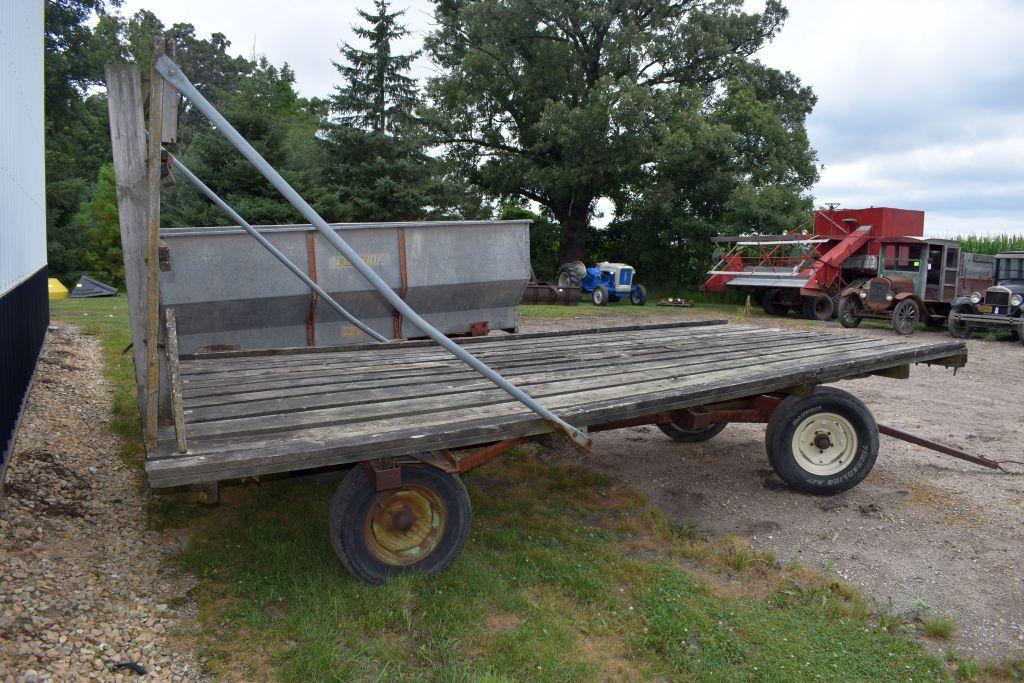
x=824 y=444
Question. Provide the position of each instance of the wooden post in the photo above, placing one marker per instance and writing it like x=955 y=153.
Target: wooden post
x=174 y=380
x=128 y=142
x=156 y=101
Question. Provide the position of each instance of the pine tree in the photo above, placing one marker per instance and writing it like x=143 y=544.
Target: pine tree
x=378 y=95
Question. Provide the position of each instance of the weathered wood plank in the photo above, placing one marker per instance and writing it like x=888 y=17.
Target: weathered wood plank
x=154 y=169
x=420 y=343
x=174 y=381
x=557 y=384
x=128 y=144
x=328 y=374
x=194 y=368
x=448 y=385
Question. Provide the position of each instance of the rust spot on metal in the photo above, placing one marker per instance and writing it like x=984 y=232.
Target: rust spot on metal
x=405 y=525
x=403 y=272
x=311 y=316
x=449 y=462
x=479 y=329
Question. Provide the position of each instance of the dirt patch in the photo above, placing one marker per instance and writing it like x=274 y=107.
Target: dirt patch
x=85 y=585
x=922 y=530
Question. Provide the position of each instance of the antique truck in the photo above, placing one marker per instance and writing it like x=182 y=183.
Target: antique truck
x=1000 y=308
x=918 y=280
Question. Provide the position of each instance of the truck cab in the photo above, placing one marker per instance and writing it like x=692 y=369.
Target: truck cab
x=916 y=280
x=1000 y=306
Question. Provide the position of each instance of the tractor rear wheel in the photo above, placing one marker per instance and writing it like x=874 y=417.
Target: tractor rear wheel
x=770 y=302
x=417 y=528
x=905 y=317
x=638 y=296
x=849 y=311
x=571 y=274
x=818 y=307
x=600 y=295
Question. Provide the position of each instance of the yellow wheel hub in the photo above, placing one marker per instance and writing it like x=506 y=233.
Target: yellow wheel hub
x=405 y=525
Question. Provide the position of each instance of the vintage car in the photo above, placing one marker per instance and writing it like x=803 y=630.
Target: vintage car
x=1001 y=307
x=918 y=280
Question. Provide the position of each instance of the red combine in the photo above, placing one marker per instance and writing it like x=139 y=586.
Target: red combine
x=806 y=271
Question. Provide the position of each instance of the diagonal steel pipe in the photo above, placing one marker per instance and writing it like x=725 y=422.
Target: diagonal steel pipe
x=233 y=215
x=173 y=75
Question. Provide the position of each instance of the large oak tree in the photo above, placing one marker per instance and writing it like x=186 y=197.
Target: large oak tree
x=563 y=102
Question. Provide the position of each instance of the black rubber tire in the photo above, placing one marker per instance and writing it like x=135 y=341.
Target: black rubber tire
x=848 y=311
x=906 y=315
x=685 y=435
x=787 y=417
x=600 y=295
x=822 y=307
x=807 y=308
x=568 y=274
x=957 y=329
x=355 y=498
x=771 y=305
x=638 y=296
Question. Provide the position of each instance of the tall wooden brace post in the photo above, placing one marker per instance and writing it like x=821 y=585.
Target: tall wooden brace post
x=128 y=142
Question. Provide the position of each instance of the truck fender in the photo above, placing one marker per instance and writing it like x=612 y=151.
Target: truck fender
x=849 y=290
x=909 y=295
x=963 y=301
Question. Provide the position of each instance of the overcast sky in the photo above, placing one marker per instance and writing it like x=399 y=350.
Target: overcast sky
x=920 y=102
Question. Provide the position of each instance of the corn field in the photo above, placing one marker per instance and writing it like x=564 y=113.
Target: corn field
x=990 y=244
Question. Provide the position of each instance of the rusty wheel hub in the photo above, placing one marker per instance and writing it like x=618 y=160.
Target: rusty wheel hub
x=405 y=525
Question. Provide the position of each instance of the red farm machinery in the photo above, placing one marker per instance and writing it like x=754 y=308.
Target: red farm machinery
x=805 y=271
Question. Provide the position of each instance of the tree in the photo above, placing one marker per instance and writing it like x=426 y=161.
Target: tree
x=97 y=221
x=378 y=165
x=79 y=37
x=377 y=93
x=568 y=101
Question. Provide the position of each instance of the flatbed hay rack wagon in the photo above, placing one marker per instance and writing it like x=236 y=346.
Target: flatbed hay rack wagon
x=407 y=417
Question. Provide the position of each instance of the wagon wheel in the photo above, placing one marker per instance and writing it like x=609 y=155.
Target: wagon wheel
x=418 y=528
x=849 y=311
x=960 y=329
x=682 y=434
x=822 y=444
x=905 y=317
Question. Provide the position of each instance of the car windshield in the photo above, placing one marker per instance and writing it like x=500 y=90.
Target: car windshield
x=1010 y=269
x=905 y=257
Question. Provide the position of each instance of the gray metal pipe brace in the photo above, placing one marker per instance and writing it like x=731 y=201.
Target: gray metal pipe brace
x=173 y=75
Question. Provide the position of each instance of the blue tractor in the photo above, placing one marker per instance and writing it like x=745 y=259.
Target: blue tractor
x=605 y=282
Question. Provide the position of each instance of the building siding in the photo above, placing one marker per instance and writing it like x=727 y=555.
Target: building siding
x=24 y=312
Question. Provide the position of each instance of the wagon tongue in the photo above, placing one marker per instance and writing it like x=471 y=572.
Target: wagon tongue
x=946 y=450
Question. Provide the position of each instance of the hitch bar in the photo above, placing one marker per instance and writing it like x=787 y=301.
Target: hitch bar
x=936 y=446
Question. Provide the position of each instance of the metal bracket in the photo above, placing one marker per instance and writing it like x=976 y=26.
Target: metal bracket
x=384 y=477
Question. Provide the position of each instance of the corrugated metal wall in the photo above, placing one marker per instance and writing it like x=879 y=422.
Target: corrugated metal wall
x=22 y=190
x=24 y=307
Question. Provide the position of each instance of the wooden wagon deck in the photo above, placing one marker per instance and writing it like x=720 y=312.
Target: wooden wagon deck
x=251 y=413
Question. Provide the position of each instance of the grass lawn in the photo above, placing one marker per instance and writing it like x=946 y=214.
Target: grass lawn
x=566 y=576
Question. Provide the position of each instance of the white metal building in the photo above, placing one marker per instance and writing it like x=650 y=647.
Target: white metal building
x=24 y=310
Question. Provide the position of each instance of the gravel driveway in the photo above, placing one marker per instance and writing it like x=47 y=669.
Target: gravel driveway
x=922 y=530
x=84 y=585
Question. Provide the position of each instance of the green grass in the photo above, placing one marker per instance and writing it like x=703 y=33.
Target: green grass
x=566 y=576
x=938 y=626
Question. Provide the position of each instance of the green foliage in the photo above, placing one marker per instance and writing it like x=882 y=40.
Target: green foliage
x=377 y=93
x=938 y=626
x=656 y=105
x=544 y=236
x=990 y=244
x=97 y=219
